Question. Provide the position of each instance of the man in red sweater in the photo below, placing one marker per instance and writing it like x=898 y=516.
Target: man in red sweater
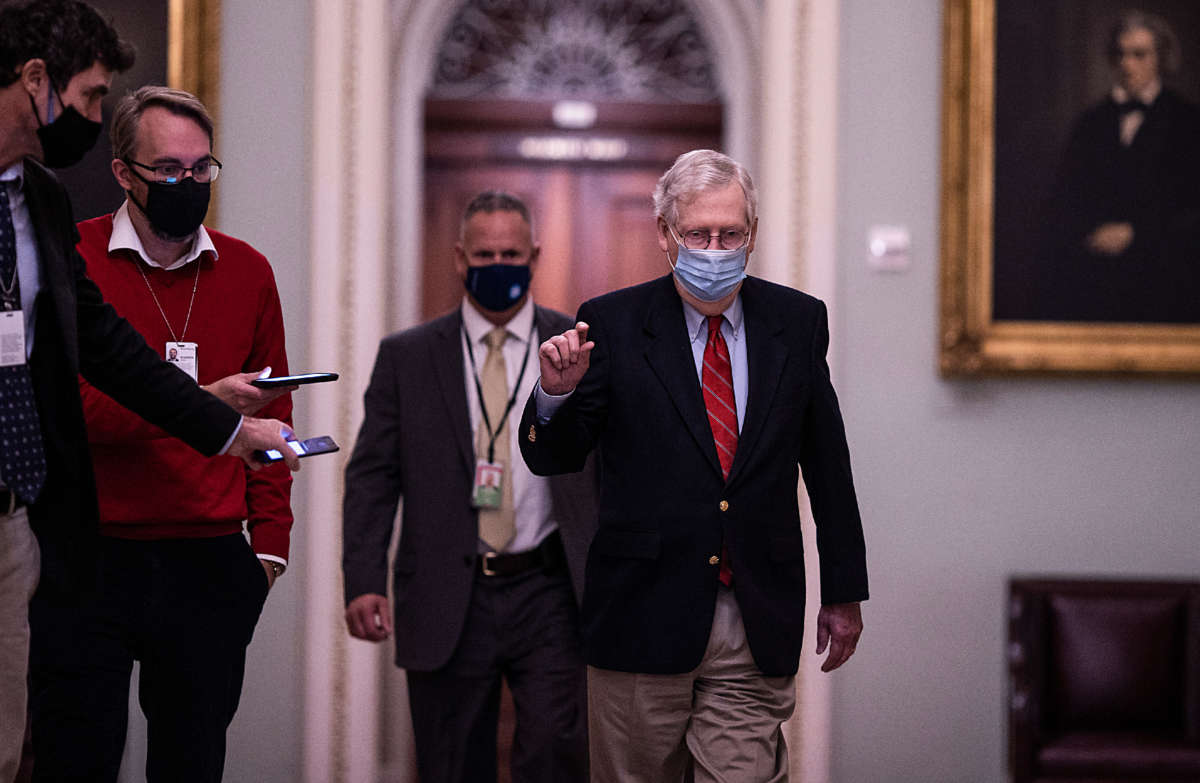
x=181 y=589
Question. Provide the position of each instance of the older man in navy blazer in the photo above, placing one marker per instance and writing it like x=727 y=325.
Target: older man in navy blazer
x=705 y=393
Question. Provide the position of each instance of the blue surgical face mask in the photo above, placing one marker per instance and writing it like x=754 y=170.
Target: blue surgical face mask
x=497 y=287
x=708 y=275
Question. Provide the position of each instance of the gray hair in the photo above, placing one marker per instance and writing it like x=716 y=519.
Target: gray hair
x=1166 y=45
x=128 y=115
x=700 y=170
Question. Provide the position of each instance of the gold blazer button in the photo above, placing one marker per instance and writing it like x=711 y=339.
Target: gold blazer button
x=723 y=505
x=714 y=560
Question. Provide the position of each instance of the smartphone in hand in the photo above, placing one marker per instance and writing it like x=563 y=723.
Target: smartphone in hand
x=294 y=380
x=322 y=444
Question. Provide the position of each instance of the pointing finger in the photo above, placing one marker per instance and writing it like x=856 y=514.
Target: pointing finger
x=550 y=353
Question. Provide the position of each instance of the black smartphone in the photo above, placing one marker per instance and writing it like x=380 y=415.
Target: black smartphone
x=322 y=444
x=294 y=380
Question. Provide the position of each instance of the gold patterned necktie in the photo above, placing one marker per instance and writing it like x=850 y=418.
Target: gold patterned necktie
x=496 y=525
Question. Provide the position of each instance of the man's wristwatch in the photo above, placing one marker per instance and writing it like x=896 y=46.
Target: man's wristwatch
x=277 y=569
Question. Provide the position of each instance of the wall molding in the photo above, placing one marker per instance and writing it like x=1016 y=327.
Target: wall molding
x=372 y=63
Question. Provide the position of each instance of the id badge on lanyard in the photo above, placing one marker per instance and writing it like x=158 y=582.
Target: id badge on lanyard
x=183 y=356
x=488 y=489
x=12 y=338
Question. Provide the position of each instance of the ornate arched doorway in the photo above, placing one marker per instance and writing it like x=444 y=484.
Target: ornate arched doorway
x=577 y=107
x=374 y=63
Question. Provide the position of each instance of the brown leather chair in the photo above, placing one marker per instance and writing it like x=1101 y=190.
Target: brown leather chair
x=1104 y=680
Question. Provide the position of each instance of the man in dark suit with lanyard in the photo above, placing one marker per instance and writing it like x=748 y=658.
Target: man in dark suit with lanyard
x=490 y=557
x=57 y=59
x=704 y=391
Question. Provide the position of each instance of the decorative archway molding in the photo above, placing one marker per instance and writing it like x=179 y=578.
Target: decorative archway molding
x=372 y=63
x=418 y=26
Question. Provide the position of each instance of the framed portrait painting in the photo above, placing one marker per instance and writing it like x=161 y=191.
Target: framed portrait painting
x=1070 y=187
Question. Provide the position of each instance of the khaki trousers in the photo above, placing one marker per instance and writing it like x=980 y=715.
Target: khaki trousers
x=20 y=566
x=721 y=721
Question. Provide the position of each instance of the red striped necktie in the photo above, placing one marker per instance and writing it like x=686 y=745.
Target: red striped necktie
x=716 y=380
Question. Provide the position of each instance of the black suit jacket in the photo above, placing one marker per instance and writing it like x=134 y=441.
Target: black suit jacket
x=1153 y=184
x=416 y=442
x=665 y=508
x=75 y=333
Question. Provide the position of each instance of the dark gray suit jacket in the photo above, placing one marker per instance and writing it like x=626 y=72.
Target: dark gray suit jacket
x=416 y=442
x=77 y=332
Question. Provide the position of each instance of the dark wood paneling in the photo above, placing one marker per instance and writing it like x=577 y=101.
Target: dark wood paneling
x=594 y=219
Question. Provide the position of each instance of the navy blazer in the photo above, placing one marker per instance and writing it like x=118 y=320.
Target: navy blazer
x=665 y=509
x=76 y=333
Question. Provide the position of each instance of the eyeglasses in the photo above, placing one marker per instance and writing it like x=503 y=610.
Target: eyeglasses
x=699 y=239
x=172 y=173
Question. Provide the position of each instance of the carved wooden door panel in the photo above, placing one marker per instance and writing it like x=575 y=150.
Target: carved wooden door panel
x=590 y=193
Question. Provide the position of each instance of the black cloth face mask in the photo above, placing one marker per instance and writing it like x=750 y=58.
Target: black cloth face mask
x=67 y=139
x=174 y=211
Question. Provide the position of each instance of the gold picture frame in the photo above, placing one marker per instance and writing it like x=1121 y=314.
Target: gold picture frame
x=972 y=341
x=194 y=60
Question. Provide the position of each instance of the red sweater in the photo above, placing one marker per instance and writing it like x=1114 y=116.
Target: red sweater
x=153 y=486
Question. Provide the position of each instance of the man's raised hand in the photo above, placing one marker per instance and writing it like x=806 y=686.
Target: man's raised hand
x=564 y=359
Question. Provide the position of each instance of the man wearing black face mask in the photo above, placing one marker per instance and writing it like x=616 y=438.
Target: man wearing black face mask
x=490 y=559
x=57 y=58
x=212 y=301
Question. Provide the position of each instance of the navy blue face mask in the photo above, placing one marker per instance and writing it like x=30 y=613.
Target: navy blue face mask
x=497 y=287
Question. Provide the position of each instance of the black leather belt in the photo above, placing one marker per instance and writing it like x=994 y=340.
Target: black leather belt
x=547 y=555
x=9 y=502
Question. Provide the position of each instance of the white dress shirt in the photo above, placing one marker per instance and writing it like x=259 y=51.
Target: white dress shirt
x=124 y=237
x=531 y=494
x=1131 y=123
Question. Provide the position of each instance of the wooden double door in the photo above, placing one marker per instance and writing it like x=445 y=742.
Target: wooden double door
x=590 y=194
x=593 y=211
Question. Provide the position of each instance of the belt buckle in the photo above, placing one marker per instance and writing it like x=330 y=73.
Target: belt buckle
x=487 y=558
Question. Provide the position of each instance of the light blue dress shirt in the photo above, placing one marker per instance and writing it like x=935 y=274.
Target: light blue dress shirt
x=28 y=270
x=732 y=329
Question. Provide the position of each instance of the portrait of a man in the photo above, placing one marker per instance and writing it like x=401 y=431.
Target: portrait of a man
x=1098 y=208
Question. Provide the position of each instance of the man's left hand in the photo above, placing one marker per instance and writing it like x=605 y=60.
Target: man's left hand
x=270 y=574
x=237 y=392
x=838 y=626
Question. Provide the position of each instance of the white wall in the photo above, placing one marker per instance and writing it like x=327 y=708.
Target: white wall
x=963 y=483
x=262 y=140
